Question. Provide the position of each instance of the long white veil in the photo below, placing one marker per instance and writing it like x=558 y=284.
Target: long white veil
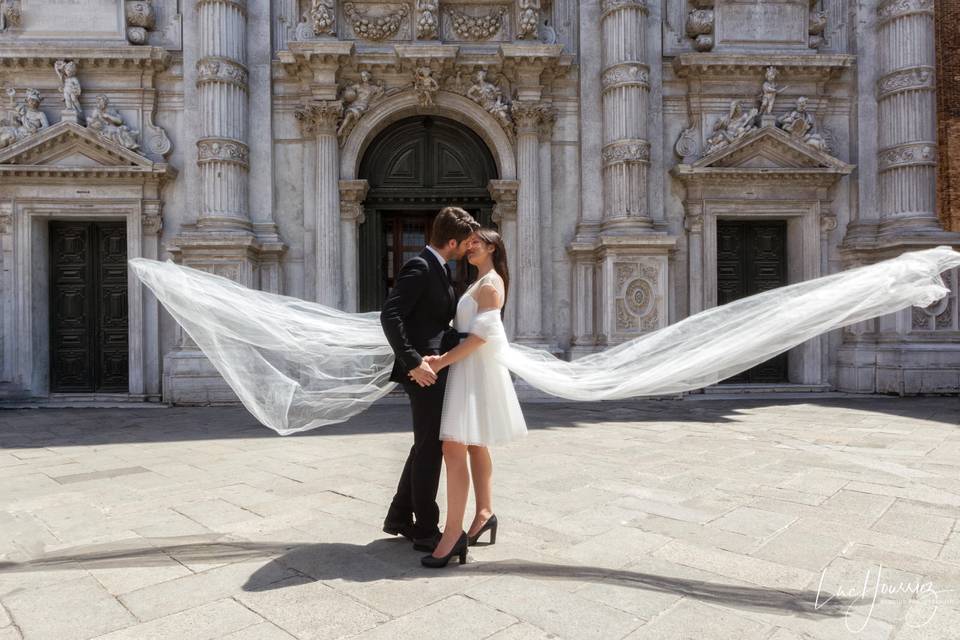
x=298 y=365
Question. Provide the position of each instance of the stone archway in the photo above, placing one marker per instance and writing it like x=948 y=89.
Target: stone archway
x=412 y=169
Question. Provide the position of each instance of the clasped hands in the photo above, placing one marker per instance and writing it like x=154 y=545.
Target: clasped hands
x=426 y=374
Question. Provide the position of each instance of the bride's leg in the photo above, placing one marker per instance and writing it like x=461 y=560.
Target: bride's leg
x=458 y=488
x=481 y=468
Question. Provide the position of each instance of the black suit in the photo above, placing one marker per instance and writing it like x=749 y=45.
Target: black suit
x=416 y=320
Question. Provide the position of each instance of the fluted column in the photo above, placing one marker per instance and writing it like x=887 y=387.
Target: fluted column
x=625 y=95
x=527 y=117
x=352 y=193
x=222 y=151
x=504 y=194
x=906 y=98
x=319 y=120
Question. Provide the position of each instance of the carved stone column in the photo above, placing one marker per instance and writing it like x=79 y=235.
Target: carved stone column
x=625 y=94
x=907 y=116
x=527 y=117
x=352 y=194
x=222 y=151
x=319 y=120
x=504 y=194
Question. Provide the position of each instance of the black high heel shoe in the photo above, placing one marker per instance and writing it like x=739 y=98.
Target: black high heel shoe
x=459 y=549
x=491 y=526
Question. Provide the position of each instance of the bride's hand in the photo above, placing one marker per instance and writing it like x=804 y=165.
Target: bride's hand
x=434 y=362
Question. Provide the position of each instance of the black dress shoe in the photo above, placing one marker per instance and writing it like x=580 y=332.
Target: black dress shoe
x=491 y=526
x=404 y=529
x=459 y=549
x=428 y=543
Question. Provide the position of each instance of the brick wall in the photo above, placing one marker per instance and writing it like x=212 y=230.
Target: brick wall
x=948 y=111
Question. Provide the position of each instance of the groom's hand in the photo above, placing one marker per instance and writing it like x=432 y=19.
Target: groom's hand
x=423 y=375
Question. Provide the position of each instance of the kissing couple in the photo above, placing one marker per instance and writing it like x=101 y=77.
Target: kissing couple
x=462 y=399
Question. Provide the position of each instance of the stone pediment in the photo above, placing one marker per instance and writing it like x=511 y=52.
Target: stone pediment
x=767 y=153
x=67 y=148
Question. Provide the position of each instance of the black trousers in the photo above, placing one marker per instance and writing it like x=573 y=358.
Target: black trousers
x=417 y=489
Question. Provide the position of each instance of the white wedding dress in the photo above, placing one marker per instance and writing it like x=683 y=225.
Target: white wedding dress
x=480 y=405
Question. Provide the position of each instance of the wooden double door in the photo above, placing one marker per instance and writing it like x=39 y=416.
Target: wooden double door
x=88 y=307
x=752 y=258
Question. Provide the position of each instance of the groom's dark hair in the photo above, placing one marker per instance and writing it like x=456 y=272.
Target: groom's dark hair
x=452 y=223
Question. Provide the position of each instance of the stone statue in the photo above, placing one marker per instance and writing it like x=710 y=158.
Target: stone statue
x=25 y=120
x=800 y=124
x=736 y=124
x=490 y=97
x=69 y=85
x=425 y=85
x=769 y=91
x=109 y=125
x=357 y=98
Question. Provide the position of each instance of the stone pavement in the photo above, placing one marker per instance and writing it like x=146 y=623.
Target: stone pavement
x=668 y=519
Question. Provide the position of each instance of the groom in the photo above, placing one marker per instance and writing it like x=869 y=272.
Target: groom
x=416 y=320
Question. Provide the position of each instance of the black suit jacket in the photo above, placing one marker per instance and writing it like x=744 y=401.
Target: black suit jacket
x=417 y=313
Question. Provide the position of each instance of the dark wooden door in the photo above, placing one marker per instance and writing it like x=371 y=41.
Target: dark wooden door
x=88 y=307
x=752 y=258
x=415 y=168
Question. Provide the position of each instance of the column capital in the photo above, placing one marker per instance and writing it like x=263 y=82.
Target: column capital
x=609 y=6
x=504 y=194
x=319 y=117
x=352 y=195
x=547 y=121
x=528 y=116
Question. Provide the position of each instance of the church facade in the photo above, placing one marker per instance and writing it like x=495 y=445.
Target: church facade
x=645 y=160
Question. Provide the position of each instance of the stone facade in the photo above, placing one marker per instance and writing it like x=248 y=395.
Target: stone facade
x=230 y=135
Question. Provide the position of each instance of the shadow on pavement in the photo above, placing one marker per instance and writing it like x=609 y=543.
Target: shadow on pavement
x=292 y=564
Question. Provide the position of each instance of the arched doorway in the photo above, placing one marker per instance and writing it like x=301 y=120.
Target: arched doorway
x=414 y=168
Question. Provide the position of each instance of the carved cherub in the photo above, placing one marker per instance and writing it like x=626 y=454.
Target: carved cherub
x=425 y=85
x=69 y=84
x=109 y=125
x=358 y=97
x=769 y=91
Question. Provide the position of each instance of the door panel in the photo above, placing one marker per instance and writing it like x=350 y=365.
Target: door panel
x=752 y=258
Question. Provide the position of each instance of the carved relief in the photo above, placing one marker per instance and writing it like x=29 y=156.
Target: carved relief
x=895 y=8
x=800 y=123
x=222 y=150
x=69 y=87
x=632 y=151
x=152 y=223
x=154 y=136
x=686 y=146
x=369 y=26
x=109 y=125
x=9 y=14
x=736 y=124
x=357 y=98
x=528 y=19
x=425 y=85
x=221 y=70
x=491 y=98
x=476 y=27
x=141 y=17
x=623 y=75
x=637 y=299
x=909 y=154
x=319 y=19
x=428 y=19
x=23 y=120
x=918 y=78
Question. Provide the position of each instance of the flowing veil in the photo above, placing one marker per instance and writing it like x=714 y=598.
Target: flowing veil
x=298 y=365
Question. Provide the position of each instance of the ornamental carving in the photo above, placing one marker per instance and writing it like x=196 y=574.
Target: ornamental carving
x=639 y=297
x=9 y=15
x=222 y=151
x=636 y=305
x=686 y=146
x=357 y=98
x=527 y=116
x=906 y=155
x=528 y=19
x=320 y=19
x=917 y=78
x=319 y=117
x=547 y=121
x=632 y=151
x=625 y=75
x=6 y=223
x=428 y=19
x=482 y=27
x=368 y=26
x=222 y=70
x=425 y=85
x=141 y=18
x=491 y=98
x=151 y=223
x=110 y=127
x=896 y=8
x=700 y=27
x=155 y=137
x=20 y=121
x=817 y=26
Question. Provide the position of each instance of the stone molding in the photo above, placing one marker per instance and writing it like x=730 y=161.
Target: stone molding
x=821 y=66
x=217 y=69
x=626 y=74
x=893 y=9
x=319 y=117
x=915 y=78
x=906 y=155
x=623 y=151
x=222 y=150
x=43 y=57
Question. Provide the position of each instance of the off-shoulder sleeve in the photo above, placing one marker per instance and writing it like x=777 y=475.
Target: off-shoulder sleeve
x=488 y=326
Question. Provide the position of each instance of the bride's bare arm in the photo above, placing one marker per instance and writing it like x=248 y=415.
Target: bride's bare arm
x=488 y=299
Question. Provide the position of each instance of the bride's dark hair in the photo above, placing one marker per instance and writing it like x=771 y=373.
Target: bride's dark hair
x=489 y=236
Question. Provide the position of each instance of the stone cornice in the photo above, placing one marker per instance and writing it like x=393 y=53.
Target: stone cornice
x=42 y=57
x=915 y=78
x=301 y=57
x=718 y=65
x=732 y=176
